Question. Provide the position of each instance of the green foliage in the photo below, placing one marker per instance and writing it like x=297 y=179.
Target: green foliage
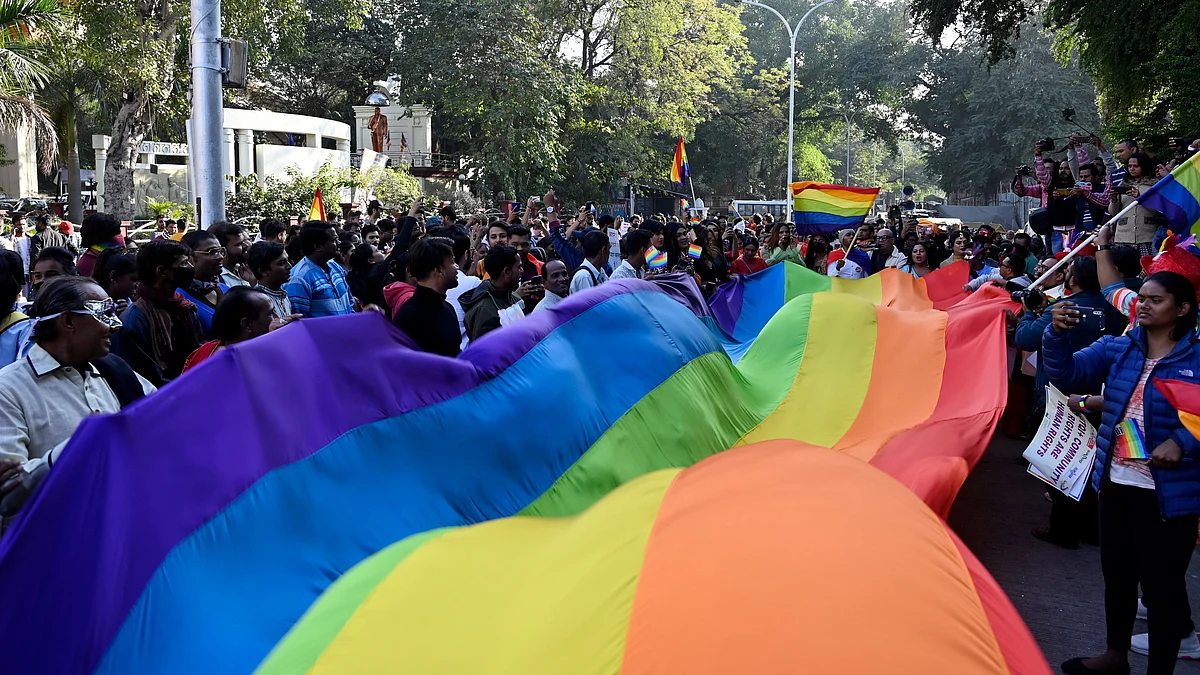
x=168 y=209
x=27 y=28
x=985 y=121
x=281 y=197
x=394 y=188
x=1144 y=57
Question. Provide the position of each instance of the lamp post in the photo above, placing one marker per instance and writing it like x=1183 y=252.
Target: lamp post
x=792 y=34
x=849 y=117
x=207 y=114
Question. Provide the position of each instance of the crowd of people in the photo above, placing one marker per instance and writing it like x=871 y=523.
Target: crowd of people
x=90 y=322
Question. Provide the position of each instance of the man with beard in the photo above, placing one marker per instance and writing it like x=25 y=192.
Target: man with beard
x=232 y=237
x=427 y=318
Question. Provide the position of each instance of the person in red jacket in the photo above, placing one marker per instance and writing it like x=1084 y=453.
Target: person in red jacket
x=750 y=261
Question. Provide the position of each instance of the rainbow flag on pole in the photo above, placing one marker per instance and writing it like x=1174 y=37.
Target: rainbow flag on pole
x=317 y=210
x=679 y=168
x=1177 y=196
x=820 y=208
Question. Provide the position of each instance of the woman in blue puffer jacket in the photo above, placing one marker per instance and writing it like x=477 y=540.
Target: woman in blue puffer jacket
x=1148 y=508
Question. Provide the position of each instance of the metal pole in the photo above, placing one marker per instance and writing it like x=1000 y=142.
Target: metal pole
x=793 y=35
x=207 y=113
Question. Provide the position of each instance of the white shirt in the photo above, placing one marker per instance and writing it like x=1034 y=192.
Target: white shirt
x=626 y=271
x=547 y=302
x=851 y=270
x=42 y=402
x=466 y=283
x=583 y=281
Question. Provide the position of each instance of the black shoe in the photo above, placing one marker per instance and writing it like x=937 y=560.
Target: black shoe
x=1075 y=667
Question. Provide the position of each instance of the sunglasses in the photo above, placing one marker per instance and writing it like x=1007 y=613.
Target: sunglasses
x=105 y=311
x=214 y=251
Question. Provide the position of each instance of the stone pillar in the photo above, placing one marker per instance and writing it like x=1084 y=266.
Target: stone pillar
x=245 y=150
x=100 y=143
x=227 y=157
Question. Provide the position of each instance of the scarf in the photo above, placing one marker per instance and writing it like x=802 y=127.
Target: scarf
x=162 y=315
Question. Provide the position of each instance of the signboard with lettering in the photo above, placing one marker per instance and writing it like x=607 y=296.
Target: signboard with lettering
x=1064 y=448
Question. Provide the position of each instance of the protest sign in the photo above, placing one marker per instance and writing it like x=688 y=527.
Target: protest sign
x=1064 y=448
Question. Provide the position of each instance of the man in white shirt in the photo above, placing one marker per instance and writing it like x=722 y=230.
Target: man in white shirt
x=66 y=376
x=558 y=282
x=637 y=242
x=595 y=254
x=466 y=282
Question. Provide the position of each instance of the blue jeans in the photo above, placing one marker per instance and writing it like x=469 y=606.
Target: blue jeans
x=1159 y=235
x=1056 y=242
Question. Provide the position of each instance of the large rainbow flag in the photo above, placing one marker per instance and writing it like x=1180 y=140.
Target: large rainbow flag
x=1177 y=196
x=545 y=503
x=680 y=171
x=819 y=208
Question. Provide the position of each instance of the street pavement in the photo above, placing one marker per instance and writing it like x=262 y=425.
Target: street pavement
x=1059 y=593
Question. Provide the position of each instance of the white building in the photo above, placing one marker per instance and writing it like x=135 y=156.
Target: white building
x=256 y=142
x=19 y=174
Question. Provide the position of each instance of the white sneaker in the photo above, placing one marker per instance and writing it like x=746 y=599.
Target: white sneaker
x=1189 y=647
x=1142 y=615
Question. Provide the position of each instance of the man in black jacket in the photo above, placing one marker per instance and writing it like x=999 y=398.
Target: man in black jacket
x=427 y=318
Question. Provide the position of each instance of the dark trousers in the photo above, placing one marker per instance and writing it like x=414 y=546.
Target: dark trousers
x=1074 y=521
x=1138 y=545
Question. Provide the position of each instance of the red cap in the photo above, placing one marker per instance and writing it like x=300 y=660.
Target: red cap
x=66 y=227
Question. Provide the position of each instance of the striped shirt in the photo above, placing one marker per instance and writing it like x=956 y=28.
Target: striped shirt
x=316 y=292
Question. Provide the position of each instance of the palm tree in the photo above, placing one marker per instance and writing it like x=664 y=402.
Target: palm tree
x=68 y=90
x=25 y=26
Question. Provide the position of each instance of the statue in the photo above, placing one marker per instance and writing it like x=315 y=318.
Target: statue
x=378 y=125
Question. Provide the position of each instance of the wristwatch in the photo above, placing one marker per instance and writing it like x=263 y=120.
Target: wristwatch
x=1103 y=247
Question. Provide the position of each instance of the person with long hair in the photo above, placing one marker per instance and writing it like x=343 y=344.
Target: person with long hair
x=1149 y=508
x=919 y=264
x=960 y=247
x=116 y=271
x=816 y=253
x=782 y=246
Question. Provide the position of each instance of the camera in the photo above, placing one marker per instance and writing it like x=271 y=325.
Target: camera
x=1024 y=170
x=1033 y=299
x=1068 y=113
x=1045 y=145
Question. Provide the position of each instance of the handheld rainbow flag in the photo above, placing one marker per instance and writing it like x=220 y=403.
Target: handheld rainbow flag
x=1177 y=196
x=1185 y=398
x=680 y=172
x=317 y=210
x=655 y=258
x=684 y=203
x=1128 y=441
x=821 y=208
x=694 y=251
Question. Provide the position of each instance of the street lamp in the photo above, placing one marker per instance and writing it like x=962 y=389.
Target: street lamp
x=793 y=34
x=849 y=117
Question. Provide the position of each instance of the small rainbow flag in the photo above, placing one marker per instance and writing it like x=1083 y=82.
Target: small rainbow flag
x=1177 y=196
x=1129 y=442
x=679 y=167
x=820 y=208
x=655 y=258
x=694 y=251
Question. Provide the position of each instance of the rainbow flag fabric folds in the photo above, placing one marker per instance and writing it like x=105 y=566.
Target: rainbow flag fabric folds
x=1177 y=196
x=391 y=508
x=679 y=167
x=819 y=208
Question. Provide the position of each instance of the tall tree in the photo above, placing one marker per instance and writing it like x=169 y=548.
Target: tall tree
x=142 y=58
x=25 y=27
x=984 y=121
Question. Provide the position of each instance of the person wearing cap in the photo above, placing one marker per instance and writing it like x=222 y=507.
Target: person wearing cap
x=67 y=229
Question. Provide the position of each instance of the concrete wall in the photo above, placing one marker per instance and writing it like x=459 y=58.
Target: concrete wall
x=274 y=160
x=170 y=183
x=18 y=179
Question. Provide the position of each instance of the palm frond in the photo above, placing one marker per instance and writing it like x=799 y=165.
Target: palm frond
x=23 y=19
x=17 y=111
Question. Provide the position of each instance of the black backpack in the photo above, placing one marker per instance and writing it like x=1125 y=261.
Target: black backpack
x=124 y=382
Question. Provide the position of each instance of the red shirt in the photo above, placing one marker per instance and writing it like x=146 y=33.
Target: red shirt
x=742 y=266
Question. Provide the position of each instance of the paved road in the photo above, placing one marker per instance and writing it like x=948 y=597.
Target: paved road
x=993 y=514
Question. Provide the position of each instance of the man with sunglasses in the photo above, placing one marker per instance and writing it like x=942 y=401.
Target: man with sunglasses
x=67 y=375
x=206 y=288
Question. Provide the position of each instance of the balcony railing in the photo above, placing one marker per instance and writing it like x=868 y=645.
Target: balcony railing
x=418 y=160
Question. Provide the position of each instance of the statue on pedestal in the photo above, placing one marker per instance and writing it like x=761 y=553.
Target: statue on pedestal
x=378 y=124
